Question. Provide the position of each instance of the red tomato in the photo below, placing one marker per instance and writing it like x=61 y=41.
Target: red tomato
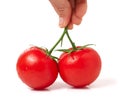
x=36 y=69
x=80 y=68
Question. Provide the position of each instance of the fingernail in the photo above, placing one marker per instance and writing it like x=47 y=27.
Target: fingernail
x=61 y=22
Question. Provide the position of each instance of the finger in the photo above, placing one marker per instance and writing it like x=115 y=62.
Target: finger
x=63 y=9
x=81 y=8
x=70 y=26
x=79 y=11
x=76 y=20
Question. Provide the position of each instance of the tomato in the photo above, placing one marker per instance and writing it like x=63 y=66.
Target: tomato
x=80 y=68
x=36 y=69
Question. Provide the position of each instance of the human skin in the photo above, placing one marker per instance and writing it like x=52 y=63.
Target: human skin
x=70 y=12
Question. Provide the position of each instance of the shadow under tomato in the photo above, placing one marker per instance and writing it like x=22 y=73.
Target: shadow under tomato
x=63 y=85
x=82 y=88
x=45 y=89
x=97 y=84
x=59 y=85
x=55 y=86
x=103 y=83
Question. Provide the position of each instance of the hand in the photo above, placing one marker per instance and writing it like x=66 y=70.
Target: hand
x=70 y=11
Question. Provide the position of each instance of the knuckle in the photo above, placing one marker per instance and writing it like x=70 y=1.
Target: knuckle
x=61 y=10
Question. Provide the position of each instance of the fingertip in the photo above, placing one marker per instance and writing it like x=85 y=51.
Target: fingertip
x=70 y=26
x=61 y=22
x=76 y=20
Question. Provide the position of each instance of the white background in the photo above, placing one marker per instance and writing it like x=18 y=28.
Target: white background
x=26 y=22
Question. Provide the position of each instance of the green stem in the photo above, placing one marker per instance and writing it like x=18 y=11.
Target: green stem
x=60 y=39
x=72 y=43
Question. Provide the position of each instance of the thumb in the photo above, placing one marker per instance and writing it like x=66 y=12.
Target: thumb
x=63 y=9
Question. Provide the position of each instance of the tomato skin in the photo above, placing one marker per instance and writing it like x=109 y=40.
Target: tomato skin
x=36 y=69
x=80 y=68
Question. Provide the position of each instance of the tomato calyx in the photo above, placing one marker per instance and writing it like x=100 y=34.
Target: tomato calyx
x=53 y=57
x=45 y=50
x=72 y=49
